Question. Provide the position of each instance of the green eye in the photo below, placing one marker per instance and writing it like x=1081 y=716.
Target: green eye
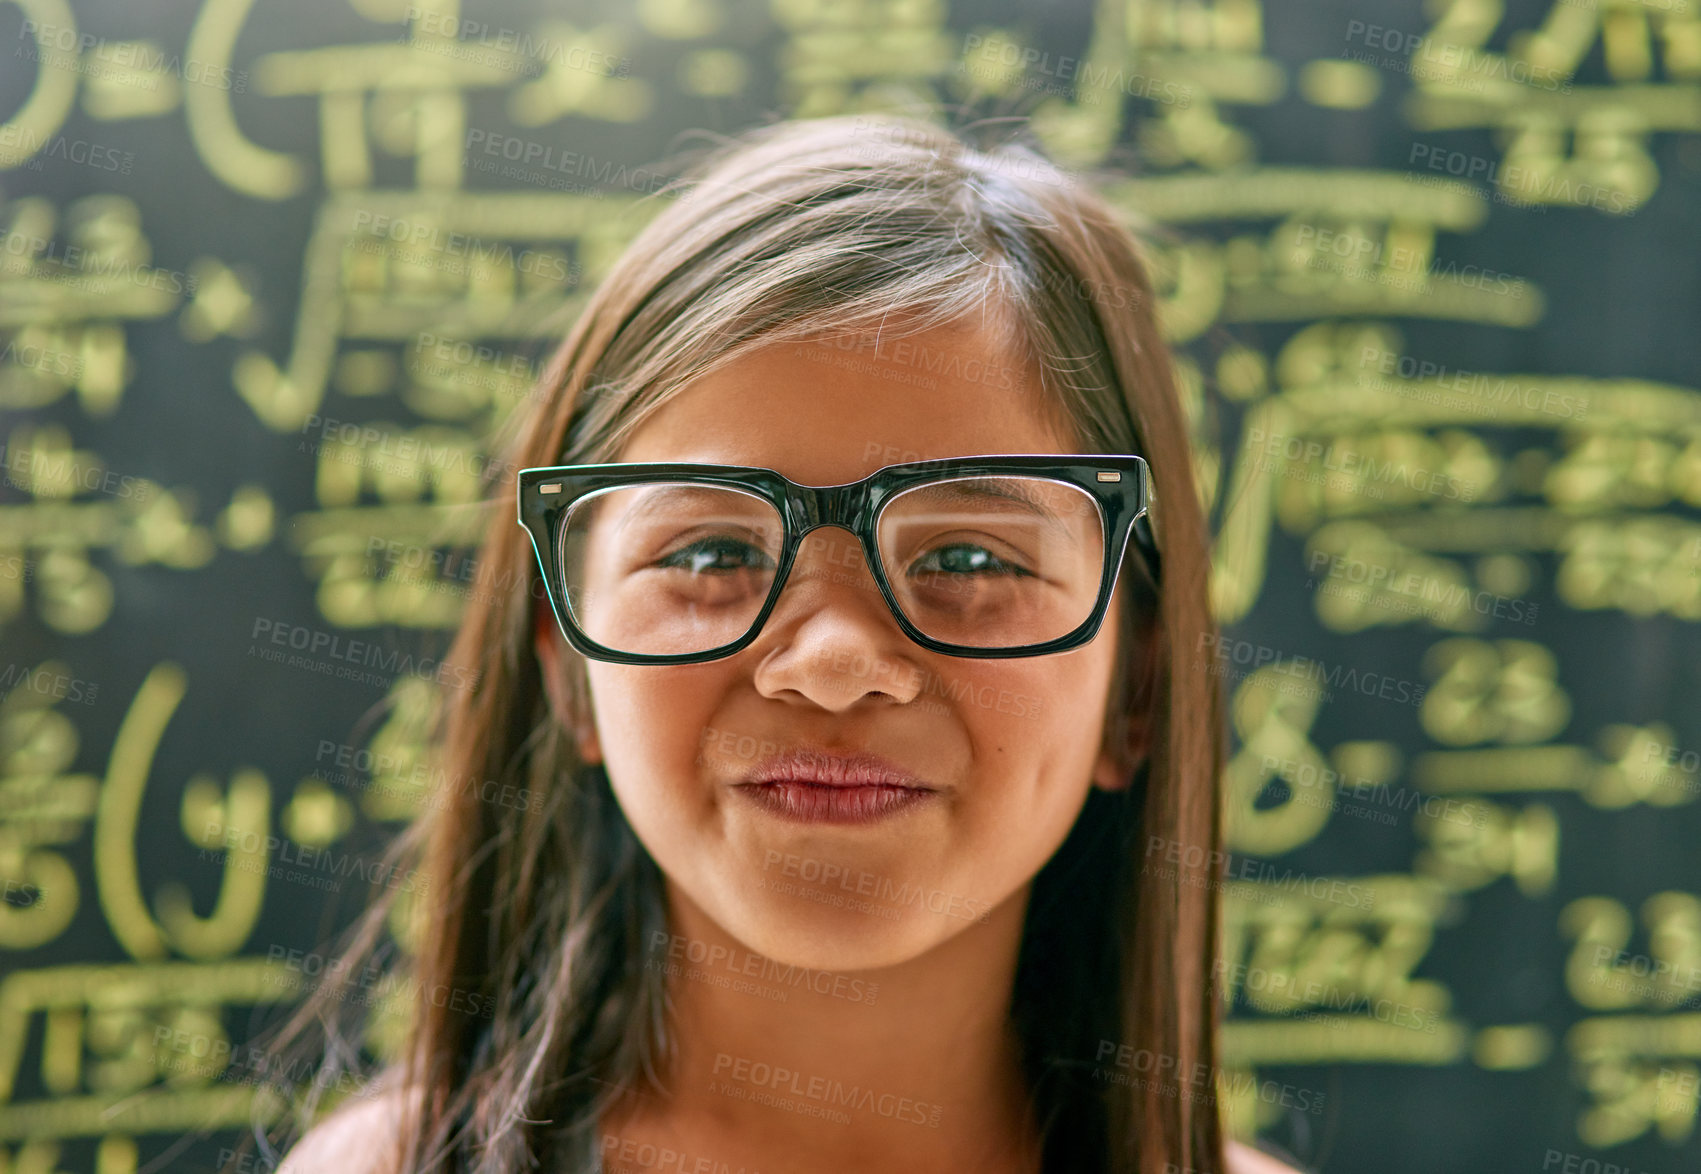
x=705 y=554
x=962 y=558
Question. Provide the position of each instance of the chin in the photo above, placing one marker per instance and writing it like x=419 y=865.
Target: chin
x=798 y=931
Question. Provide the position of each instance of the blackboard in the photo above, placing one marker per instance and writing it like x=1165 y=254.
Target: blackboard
x=1432 y=276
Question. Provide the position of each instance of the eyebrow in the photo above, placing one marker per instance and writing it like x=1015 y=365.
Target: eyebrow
x=666 y=496
x=1004 y=489
x=1013 y=491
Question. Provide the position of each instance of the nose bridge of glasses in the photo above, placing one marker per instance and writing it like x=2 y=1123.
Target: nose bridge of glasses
x=838 y=549
x=813 y=506
x=832 y=508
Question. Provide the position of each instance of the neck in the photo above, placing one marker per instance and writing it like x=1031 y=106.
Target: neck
x=915 y=1066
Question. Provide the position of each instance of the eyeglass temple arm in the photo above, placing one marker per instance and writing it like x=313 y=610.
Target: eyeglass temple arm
x=1148 y=544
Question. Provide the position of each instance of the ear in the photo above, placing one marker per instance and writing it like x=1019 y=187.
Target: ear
x=551 y=649
x=1127 y=736
x=1125 y=744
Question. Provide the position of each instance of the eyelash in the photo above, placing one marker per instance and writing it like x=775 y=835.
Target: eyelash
x=688 y=551
x=669 y=559
x=1006 y=566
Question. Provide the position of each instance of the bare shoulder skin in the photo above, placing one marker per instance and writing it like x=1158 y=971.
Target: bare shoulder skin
x=1243 y=1159
x=352 y=1141
x=355 y=1139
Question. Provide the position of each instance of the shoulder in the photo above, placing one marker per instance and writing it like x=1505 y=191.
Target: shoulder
x=355 y=1139
x=1243 y=1159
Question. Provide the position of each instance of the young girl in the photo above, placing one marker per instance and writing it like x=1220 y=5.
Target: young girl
x=873 y=820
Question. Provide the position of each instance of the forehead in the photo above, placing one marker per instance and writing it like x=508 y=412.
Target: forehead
x=826 y=411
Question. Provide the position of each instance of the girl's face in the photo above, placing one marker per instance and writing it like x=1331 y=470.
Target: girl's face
x=1008 y=746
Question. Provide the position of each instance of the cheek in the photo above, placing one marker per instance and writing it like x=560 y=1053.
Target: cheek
x=650 y=724
x=1032 y=771
x=1048 y=709
x=1036 y=732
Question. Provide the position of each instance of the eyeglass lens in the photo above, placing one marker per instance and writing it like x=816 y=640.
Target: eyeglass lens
x=676 y=567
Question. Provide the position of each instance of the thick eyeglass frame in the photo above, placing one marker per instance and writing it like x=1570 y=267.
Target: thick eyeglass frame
x=1119 y=484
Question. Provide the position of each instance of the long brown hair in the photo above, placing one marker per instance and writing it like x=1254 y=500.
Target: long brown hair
x=541 y=911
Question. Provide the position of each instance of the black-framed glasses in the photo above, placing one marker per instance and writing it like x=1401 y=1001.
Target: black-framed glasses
x=989 y=556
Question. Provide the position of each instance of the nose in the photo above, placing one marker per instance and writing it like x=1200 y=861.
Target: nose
x=831 y=640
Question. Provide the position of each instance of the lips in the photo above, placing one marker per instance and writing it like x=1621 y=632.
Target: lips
x=818 y=786
x=824 y=768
